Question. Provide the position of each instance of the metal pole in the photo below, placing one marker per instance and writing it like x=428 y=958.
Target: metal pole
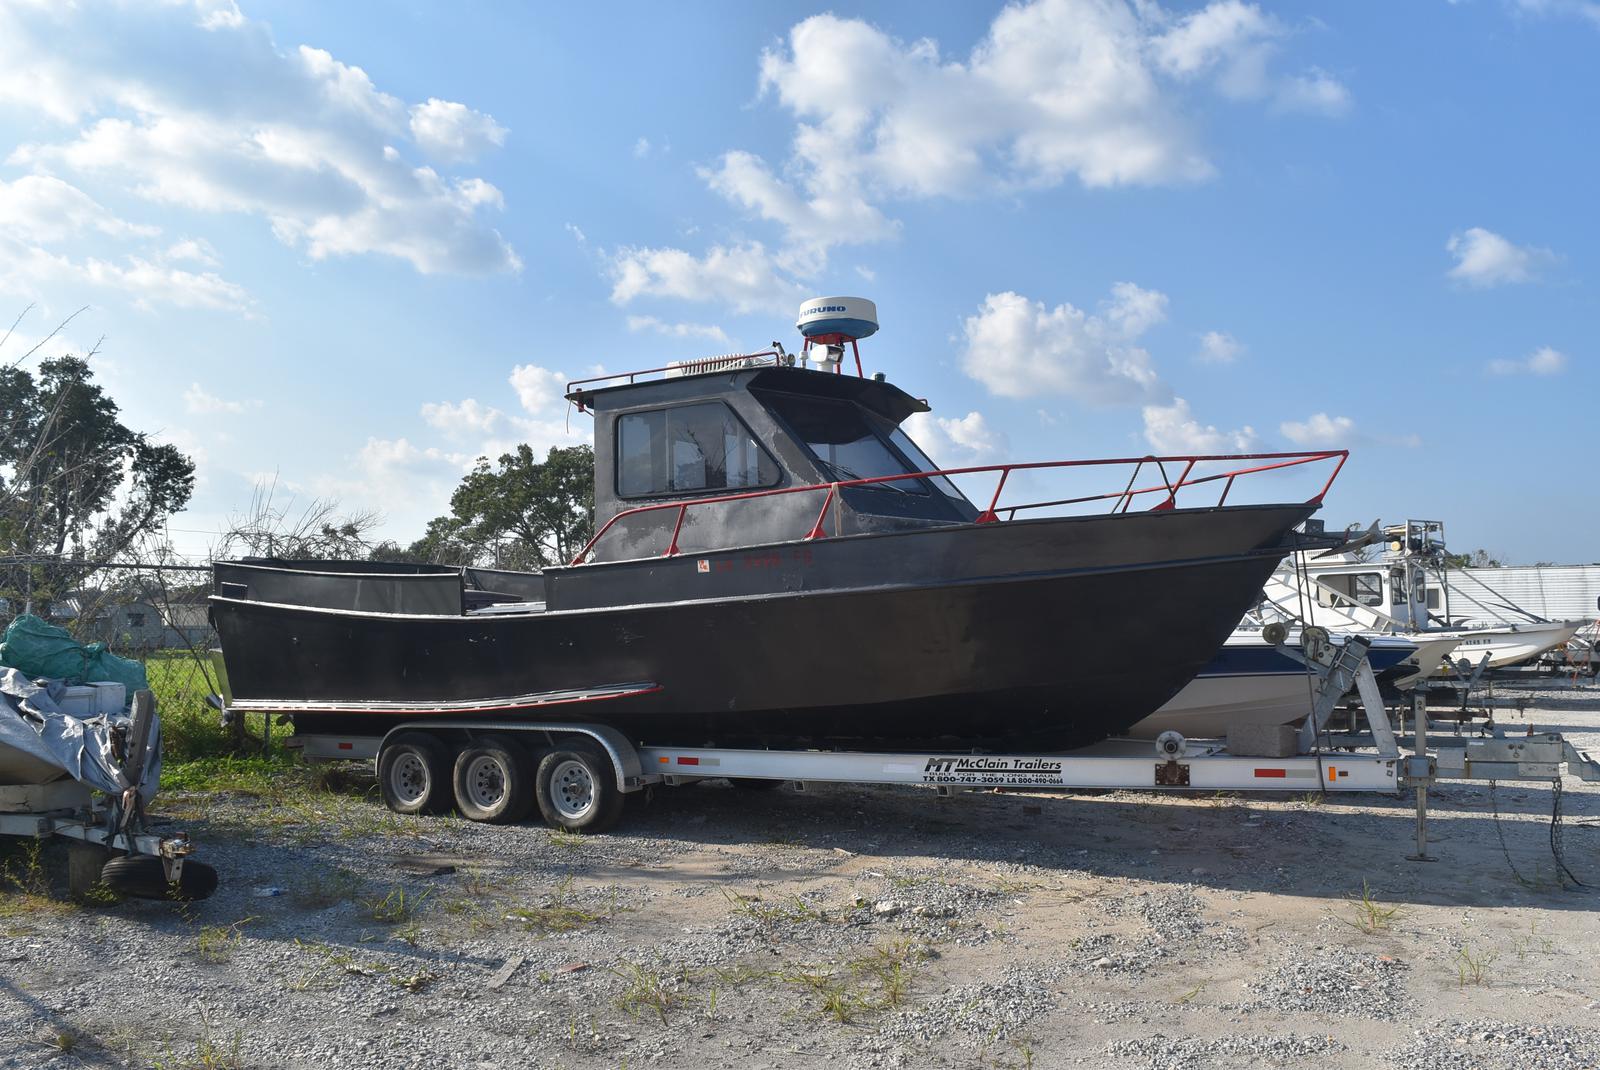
x=1420 y=716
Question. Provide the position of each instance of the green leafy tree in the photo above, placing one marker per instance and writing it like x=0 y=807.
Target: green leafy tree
x=77 y=486
x=520 y=512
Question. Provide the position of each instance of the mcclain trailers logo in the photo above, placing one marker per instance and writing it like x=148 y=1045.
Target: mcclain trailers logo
x=947 y=766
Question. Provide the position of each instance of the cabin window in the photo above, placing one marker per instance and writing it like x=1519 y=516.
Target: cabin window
x=1363 y=588
x=702 y=447
x=840 y=437
x=1433 y=597
x=136 y=620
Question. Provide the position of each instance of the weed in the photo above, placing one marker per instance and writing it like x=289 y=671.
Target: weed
x=327 y=889
x=794 y=910
x=864 y=986
x=217 y=943
x=1472 y=967
x=560 y=913
x=646 y=990
x=1193 y=992
x=208 y=1054
x=395 y=907
x=1372 y=916
x=566 y=838
x=63 y=1040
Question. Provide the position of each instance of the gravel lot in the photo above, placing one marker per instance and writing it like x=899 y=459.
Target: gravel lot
x=858 y=927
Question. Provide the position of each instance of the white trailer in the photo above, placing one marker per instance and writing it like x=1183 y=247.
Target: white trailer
x=578 y=774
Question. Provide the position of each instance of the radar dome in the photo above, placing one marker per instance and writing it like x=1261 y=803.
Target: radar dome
x=832 y=320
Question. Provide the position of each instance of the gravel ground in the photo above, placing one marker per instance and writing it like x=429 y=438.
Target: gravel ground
x=861 y=927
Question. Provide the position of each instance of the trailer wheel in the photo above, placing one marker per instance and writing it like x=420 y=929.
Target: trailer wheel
x=578 y=789
x=492 y=781
x=145 y=877
x=414 y=774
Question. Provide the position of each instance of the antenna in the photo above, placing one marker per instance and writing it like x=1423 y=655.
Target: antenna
x=829 y=322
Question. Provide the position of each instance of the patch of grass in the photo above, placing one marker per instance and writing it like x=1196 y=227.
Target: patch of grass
x=25 y=885
x=793 y=910
x=862 y=987
x=566 y=838
x=560 y=912
x=217 y=943
x=323 y=890
x=63 y=1040
x=396 y=907
x=647 y=990
x=208 y=1053
x=1371 y=916
x=1472 y=967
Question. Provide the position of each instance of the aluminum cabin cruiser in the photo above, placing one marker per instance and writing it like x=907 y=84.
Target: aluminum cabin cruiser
x=776 y=562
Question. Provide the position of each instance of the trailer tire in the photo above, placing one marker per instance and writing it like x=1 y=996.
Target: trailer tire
x=145 y=877
x=577 y=789
x=493 y=782
x=414 y=774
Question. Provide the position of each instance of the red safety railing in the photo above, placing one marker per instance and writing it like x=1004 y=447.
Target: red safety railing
x=1122 y=499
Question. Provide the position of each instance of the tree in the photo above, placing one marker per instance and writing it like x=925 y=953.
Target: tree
x=1476 y=559
x=77 y=486
x=519 y=513
x=320 y=531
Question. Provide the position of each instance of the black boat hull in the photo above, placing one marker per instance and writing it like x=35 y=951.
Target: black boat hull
x=1036 y=644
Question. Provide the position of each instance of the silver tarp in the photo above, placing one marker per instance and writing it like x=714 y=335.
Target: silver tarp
x=41 y=738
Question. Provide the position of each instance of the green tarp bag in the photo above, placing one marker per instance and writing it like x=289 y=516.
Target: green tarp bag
x=37 y=648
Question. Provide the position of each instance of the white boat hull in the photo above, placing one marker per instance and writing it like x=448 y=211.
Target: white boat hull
x=1507 y=646
x=1209 y=706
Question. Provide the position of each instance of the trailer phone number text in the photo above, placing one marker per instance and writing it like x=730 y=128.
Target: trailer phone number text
x=996 y=771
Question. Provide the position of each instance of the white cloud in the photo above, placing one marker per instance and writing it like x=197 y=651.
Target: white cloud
x=42 y=208
x=1588 y=10
x=25 y=268
x=1173 y=429
x=297 y=137
x=194 y=250
x=539 y=390
x=197 y=401
x=1056 y=90
x=678 y=330
x=956 y=441
x=1219 y=347
x=1484 y=258
x=1320 y=429
x=1542 y=361
x=1019 y=348
x=641 y=148
x=458 y=419
x=742 y=278
x=454 y=132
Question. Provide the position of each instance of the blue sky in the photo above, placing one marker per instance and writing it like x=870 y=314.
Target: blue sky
x=357 y=245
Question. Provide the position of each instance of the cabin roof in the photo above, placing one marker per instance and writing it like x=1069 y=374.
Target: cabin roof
x=879 y=395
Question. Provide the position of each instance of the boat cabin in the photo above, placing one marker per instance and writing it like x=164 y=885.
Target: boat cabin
x=720 y=453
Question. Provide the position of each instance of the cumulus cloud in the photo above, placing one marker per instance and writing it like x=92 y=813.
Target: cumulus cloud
x=742 y=278
x=1320 y=429
x=43 y=208
x=1587 y=10
x=1219 y=347
x=294 y=136
x=1542 y=361
x=1055 y=90
x=1484 y=258
x=197 y=400
x=24 y=268
x=678 y=330
x=454 y=132
x=956 y=441
x=1173 y=429
x=461 y=418
x=539 y=390
x=194 y=250
x=1020 y=348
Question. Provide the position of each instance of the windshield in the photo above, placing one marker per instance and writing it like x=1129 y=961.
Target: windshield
x=844 y=442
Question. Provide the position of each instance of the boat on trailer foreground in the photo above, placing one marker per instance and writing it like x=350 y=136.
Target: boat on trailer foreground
x=776 y=563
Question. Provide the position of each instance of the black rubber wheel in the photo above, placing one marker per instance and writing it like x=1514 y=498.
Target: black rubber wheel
x=145 y=877
x=492 y=781
x=414 y=774
x=577 y=789
x=750 y=783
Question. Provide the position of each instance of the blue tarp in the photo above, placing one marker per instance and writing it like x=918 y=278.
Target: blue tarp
x=39 y=649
